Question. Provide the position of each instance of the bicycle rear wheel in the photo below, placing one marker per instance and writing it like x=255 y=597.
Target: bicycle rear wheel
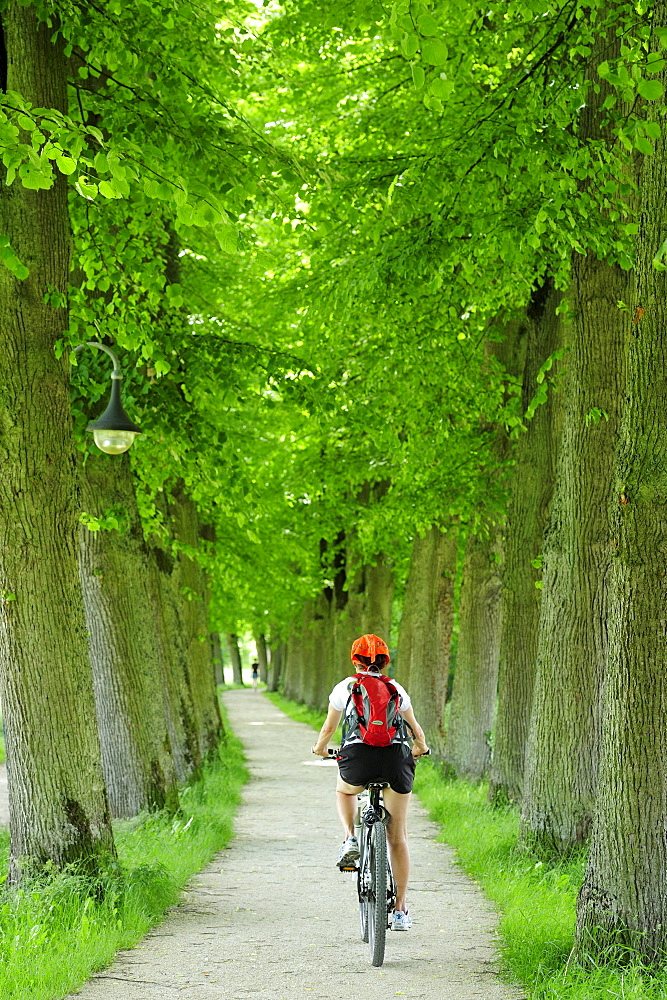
x=377 y=903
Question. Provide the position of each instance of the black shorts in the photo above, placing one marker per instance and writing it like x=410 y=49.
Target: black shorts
x=358 y=764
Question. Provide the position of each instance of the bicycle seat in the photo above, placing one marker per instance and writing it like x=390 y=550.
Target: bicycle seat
x=377 y=784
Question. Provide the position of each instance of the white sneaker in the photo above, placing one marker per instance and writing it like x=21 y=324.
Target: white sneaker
x=349 y=852
x=401 y=921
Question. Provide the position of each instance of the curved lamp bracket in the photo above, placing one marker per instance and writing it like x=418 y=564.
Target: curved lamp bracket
x=113 y=431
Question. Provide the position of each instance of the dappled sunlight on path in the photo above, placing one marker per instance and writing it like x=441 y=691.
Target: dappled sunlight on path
x=273 y=918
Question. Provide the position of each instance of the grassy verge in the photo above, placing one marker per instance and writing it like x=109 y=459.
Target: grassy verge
x=536 y=900
x=301 y=713
x=56 y=932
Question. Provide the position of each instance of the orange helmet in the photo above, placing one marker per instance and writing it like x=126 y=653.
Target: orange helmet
x=369 y=646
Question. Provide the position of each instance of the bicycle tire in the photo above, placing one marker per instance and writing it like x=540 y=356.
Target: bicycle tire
x=363 y=882
x=377 y=904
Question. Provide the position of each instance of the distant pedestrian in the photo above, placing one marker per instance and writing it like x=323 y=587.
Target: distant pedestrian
x=255 y=675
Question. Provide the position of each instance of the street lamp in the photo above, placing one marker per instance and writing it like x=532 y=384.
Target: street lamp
x=113 y=432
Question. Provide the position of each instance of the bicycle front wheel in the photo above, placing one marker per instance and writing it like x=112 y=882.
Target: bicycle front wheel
x=377 y=904
x=364 y=882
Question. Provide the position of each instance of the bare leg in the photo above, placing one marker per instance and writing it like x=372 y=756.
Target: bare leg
x=347 y=810
x=346 y=802
x=397 y=839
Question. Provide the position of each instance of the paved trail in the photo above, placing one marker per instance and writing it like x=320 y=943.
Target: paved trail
x=272 y=918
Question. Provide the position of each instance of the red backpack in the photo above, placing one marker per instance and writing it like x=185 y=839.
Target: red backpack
x=376 y=718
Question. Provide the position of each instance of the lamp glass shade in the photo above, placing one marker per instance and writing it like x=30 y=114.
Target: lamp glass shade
x=113 y=442
x=114 y=432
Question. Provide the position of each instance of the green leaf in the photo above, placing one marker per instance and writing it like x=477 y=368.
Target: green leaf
x=86 y=187
x=418 y=76
x=652 y=130
x=65 y=164
x=227 y=237
x=651 y=90
x=409 y=45
x=108 y=190
x=427 y=25
x=657 y=260
x=442 y=88
x=435 y=52
x=644 y=145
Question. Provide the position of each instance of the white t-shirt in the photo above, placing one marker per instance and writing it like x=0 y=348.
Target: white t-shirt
x=340 y=698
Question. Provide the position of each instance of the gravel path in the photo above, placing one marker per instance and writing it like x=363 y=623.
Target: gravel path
x=272 y=917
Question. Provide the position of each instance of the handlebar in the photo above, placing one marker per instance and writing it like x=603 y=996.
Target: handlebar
x=334 y=753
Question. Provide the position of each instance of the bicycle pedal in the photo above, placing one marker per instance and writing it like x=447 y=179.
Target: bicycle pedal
x=348 y=868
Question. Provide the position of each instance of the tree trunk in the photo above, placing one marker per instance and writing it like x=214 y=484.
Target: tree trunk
x=370 y=600
x=173 y=655
x=277 y=659
x=235 y=657
x=429 y=602
x=473 y=700
x=262 y=659
x=562 y=750
x=305 y=676
x=564 y=737
x=217 y=657
x=192 y=585
x=468 y=745
x=317 y=635
x=59 y=804
x=533 y=479
x=292 y=664
x=623 y=901
x=127 y=674
x=379 y=588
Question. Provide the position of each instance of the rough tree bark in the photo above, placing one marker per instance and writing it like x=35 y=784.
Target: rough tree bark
x=468 y=744
x=316 y=640
x=370 y=600
x=173 y=655
x=276 y=664
x=292 y=664
x=59 y=807
x=127 y=673
x=194 y=591
x=533 y=478
x=564 y=737
x=429 y=603
x=473 y=701
x=262 y=658
x=623 y=901
x=235 y=657
x=217 y=657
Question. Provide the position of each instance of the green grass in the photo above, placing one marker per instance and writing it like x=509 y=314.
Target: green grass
x=296 y=711
x=56 y=931
x=301 y=713
x=535 y=899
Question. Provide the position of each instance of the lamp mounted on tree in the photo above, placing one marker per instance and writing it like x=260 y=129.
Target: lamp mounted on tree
x=113 y=432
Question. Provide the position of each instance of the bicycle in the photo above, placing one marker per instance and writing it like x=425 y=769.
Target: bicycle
x=376 y=887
